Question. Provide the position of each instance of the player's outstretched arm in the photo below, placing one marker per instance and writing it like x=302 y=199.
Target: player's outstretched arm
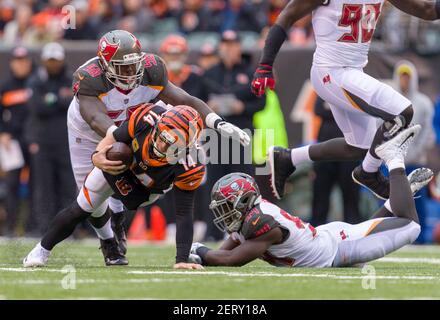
x=424 y=9
x=94 y=113
x=294 y=10
x=244 y=253
x=174 y=95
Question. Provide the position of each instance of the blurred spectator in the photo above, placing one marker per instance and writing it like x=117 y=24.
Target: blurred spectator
x=135 y=17
x=6 y=12
x=406 y=82
x=327 y=174
x=84 y=28
x=54 y=186
x=231 y=97
x=208 y=57
x=107 y=15
x=161 y=9
x=174 y=50
x=193 y=17
x=48 y=23
x=275 y=8
x=18 y=30
x=234 y=15
x=14 y=97
x=435 y=155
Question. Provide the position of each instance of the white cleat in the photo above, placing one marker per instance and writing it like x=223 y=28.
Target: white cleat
x=398 y=146
x=37 y=257
x=419 y=178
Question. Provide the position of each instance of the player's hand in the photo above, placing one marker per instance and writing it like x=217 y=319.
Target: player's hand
x=100 y=161
x=227 y=129
x=194 y=258
x=195 y=246
x=263 y=78
x=188 y=266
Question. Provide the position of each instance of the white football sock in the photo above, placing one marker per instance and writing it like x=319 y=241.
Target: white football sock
x=395 y=163
x=370 y=163
x=43 y=250
x=300 y=155
x=105 y=232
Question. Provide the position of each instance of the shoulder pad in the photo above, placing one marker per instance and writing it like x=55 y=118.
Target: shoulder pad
x=155 y=74
x=256 y=223
x=89 y=79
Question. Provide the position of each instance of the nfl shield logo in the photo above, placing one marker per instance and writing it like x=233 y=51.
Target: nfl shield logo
x=126 y=100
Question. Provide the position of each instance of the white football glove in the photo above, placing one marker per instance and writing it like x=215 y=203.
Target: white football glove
x=227 y=129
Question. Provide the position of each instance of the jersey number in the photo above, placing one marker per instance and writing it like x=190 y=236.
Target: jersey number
x=297 y=221
x=362 y=19
x=116 y=113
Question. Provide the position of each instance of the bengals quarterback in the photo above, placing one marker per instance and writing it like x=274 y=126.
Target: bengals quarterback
x=163 y=139
x=107 y=90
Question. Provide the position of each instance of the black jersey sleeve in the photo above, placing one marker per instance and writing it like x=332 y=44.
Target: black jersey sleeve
x=155 y=74
x=89 y=80
x=121 y=134
x=257 y=223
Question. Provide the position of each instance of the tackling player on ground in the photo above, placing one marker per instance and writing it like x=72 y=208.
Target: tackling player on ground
x=260 y=229
x=108 y=88
x=164 y=142
x=343 y=30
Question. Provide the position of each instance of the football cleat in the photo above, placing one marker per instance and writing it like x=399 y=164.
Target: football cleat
x=112 y=254
x=281 y=168
x=38 y=257
x=419 y=178
x=397 y=147
x=118 y=227
x=376 y=182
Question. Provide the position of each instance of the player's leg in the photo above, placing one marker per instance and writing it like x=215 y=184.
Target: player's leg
x=375 y=238
x=118 y=214
x=356 y=100
x=81 y=150
x=92 y=200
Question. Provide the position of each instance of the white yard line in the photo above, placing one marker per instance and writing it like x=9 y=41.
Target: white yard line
x=410 y=260
x=277 y=275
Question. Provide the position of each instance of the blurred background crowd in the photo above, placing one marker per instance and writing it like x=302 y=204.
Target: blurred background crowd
x=205 y=45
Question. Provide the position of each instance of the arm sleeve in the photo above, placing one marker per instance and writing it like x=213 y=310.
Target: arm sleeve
x=184 y=223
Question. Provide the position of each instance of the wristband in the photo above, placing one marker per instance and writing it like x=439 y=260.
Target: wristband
x=111 y=129
x=212 y=120
x=202 y=251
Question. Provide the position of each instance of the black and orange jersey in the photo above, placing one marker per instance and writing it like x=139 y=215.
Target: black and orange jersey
x=159 y=175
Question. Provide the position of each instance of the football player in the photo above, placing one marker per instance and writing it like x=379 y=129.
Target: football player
x=343 y=31
x=164 y=142
x=110 y=87
x=260 y=229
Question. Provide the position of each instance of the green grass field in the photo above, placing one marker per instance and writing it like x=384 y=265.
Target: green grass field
x=411 y=273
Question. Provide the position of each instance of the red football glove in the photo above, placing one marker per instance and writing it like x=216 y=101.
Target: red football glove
x=263 y=78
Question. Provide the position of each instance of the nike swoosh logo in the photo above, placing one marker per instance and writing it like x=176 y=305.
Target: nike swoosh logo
x=410 y=136
x=255 y=221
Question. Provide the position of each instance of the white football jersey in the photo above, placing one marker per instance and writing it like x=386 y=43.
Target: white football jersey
x=304 y=246
x=343 y=32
